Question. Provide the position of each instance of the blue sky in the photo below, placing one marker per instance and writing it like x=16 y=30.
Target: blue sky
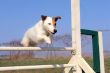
x=16 y=16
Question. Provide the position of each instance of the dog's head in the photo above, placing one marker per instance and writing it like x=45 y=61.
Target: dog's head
x=49 y=23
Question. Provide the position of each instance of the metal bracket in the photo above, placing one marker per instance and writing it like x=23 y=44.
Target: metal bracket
x=73 y=52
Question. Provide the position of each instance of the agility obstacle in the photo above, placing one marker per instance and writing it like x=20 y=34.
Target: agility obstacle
x=77 y=63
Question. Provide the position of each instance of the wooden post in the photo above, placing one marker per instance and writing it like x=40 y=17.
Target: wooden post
x=98 y=56
x=75 y=18
x=101 y=52
x=76 y=36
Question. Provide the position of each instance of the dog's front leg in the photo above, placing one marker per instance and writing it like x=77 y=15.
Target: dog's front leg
x=47 y=39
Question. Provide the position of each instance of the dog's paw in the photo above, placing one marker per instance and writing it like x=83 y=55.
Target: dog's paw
x=48 y=42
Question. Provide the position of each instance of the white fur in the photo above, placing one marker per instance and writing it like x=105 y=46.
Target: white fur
x=41 y=32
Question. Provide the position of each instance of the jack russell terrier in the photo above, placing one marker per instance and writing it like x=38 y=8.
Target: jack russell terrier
x=41 y=32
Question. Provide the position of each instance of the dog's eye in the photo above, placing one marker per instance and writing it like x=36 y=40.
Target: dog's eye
x=49 y=23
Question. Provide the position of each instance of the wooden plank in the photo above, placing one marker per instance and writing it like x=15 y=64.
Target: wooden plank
x=72 y=61
x=37 y=48
x=101 y=52
x=88 y=32
x=35 y=67
x=84 y=65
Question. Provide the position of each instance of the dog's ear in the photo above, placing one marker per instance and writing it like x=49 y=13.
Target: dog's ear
x=43 y=17
x=56 y=18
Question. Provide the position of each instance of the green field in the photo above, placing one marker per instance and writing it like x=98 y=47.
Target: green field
x=60 y=60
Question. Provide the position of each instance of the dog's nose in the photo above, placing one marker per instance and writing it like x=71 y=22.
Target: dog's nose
x=55 y=30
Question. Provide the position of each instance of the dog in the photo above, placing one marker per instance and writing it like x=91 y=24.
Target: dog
x=41 y=31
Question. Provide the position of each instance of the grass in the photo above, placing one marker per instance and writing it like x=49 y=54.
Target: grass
x=107 y=65
x=60 y=60
x=33 y=62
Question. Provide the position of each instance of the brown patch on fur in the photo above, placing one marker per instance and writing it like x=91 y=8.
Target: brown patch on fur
x=53 y=22
x=56 y=18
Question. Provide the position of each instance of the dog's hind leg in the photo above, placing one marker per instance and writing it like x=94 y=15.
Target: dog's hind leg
x=25 y=42
x=32 y=44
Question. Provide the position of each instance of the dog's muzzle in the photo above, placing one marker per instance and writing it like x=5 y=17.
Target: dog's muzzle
x=55 y=31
